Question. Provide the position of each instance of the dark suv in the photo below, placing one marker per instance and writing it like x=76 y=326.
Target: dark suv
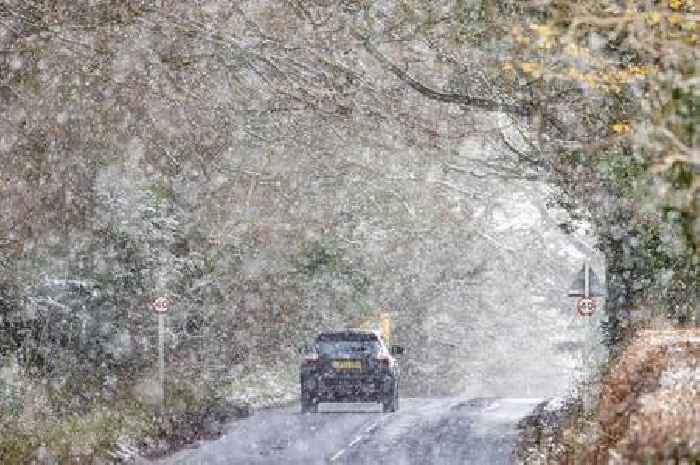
x=350 y=365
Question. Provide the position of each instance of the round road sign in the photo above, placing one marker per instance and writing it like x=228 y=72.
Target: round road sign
x=160 y=305
x=585 y=307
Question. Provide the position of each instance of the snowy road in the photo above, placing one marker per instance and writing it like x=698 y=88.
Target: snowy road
x=424 y=431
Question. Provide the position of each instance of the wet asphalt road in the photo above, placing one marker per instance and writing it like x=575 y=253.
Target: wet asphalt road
x=424 y=431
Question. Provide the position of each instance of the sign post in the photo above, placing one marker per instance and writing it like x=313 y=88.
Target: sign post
x=160 y=305
x=585 y=287
x=586 y=284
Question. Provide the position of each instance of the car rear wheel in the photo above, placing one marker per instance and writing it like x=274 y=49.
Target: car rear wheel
x=308 y=403
x=309 y=407
x=391 y=401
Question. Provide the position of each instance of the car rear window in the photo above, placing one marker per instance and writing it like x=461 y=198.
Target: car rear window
x=347 y=344
x=347 y=337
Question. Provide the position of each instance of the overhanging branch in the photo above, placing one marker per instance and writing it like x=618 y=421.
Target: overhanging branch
x=446 y=97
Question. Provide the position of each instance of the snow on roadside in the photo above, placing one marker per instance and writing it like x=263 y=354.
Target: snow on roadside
x=264 y=387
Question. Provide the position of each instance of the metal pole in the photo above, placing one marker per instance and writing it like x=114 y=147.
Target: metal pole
x=587 y=345
x=161 y=358
x=207 y=363
x=591 y=339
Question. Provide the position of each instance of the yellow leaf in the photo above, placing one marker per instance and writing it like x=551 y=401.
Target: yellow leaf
x=574 y=73
x=675 y=19
x=653 y=17
x=689 y=25
x=531 y=67
x=638 y=71
x=543 y=30
x=522 y=40
x=622 y=76
x=591 y=79
x=621 y=127
x=572 y=50
x=675 y=4
x=546 y=44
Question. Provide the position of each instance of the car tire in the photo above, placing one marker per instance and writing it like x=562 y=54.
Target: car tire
x=308 y=403
x=391 y=401
x=309 y=407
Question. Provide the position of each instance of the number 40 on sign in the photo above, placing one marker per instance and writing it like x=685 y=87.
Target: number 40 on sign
x=585 y=307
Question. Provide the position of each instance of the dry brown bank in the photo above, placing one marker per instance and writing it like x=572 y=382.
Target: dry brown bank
x=648 y=411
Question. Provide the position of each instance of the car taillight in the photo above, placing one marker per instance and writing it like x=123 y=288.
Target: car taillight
x=311 y=358
x=384 y=360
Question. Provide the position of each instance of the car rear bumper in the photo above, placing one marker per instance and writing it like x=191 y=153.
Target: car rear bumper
x=337 y=389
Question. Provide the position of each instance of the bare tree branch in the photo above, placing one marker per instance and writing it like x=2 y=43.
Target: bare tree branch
x=446 y=97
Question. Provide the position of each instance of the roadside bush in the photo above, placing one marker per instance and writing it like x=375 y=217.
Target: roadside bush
x=647 y=413
x=648 y=408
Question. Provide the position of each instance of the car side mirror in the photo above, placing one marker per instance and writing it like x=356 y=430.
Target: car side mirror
x=305 y=349
x=396 y=350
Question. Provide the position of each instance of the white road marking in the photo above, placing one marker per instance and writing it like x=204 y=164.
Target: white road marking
x=337 y=455
x=369 y=430
x=493 y=406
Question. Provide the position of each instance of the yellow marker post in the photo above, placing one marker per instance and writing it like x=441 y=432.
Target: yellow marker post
x=385 y=326
x=381 y=322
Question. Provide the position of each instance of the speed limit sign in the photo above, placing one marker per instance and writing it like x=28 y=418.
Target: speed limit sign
x=160 y=305
x=585 y=306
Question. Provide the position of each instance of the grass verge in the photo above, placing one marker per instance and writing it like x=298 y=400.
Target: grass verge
x=39 y=426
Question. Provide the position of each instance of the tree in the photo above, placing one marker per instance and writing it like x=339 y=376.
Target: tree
x=638 y=176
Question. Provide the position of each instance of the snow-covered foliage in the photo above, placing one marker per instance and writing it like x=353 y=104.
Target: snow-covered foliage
x=276 y=168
